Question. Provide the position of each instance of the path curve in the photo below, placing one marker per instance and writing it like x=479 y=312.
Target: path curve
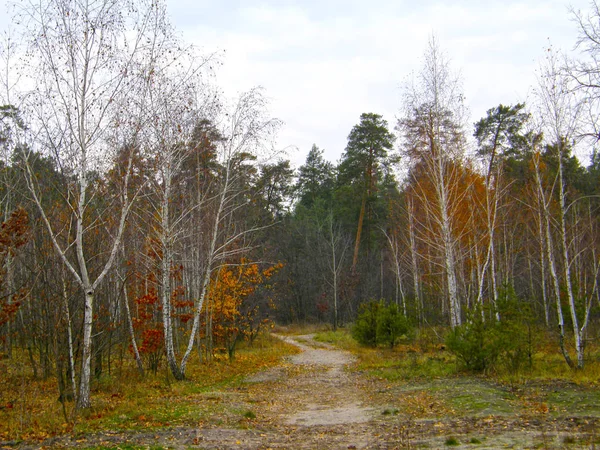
x=312 y=402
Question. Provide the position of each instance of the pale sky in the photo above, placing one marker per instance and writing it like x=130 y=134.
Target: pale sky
x=324 y=62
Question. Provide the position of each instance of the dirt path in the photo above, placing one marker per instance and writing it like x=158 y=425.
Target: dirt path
x=312 y=402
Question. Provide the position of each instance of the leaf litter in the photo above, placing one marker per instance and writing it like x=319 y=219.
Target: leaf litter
x=316 y=401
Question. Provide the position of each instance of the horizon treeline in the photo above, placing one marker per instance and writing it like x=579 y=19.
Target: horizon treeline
x=146 y=218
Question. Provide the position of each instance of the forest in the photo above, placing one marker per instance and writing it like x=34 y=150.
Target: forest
x=147 y=218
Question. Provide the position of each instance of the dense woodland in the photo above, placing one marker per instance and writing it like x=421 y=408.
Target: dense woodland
x=148 y=218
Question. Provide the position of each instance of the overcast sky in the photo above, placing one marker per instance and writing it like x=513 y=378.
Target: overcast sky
x=324 y=62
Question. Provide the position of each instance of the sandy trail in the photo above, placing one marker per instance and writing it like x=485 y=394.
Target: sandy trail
x=312 y=402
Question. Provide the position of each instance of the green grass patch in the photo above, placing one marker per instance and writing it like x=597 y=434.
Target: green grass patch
x=476 y=397
x=403 y=362
x=574 y=400
x=250 y=415
x=340 y=338
x=451 y=442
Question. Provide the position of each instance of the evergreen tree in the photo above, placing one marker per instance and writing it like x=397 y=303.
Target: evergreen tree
x=315 y=178
x=366 y=167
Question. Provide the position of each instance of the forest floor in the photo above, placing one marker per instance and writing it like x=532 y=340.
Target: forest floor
x=313 y=401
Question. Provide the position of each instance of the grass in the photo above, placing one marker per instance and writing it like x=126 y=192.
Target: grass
x=340 y=338
x=428 y=379
x=426 y=357
x=128 y=447
x=452 y=442
x=250 y=415
x=422 y=373
x=403 y=362
x=126 y=401
x=295 y=329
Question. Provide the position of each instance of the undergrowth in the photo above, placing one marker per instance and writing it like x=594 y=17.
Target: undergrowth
x=431 y=382
x=30 y=410
x=426 y=356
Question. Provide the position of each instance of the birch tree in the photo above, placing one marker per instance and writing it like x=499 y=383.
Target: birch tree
x=201 y=233
x=90 y=62
x=247 y=132
x=337 y=244
x=559 y=110
x=178 y=105
x=498 y=134
x=432 y=131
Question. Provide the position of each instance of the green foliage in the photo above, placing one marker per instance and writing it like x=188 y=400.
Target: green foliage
x=366 y=154
x=340 y=338
x=515 y=331
x=378 y=323
x=315 y=179
x=476 y=343
x=484 y=342
x=365 y=327
x=452 y=442
x=500 y=132
x=391 y=324
x=250 y=414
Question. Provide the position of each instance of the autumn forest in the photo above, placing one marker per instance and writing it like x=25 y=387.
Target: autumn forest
x=149 y=219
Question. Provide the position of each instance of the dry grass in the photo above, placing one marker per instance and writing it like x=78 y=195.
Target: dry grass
x=426 y=357
x=299 y=329
x=30 y=410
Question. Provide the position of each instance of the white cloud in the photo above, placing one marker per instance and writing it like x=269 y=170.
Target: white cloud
x=325 y=62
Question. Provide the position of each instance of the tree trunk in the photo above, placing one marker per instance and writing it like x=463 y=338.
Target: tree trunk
x=136 y=352
x=567 y=264
x=414 y=261
x=361 y=218
x=552 y=262
x=450 y=262
x=69 y=338
x=167 y=256
x=83 y=398
x=543 y=268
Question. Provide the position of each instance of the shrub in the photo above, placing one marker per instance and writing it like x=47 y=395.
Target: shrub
x=516 y=334
x=365 y=327
x=476 y=343
x=483 y=341
x=391 y=324
x=378 y=323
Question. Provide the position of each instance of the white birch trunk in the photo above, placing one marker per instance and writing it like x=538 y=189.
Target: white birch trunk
x=166 y=238
x=136 y=352
x=69 y=339
x=567 y=263
x=551 y=261
x=543 y=267
x=211 y=254
x=449 y=257
x=414 y=260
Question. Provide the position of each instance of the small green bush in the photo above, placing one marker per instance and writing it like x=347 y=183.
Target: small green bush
x=365 y=327
x=484 y=342
x=516 y=331
x=250 y=415
x=476 y=343
x=378 y=323
x=391 y=324
x=452 y=442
